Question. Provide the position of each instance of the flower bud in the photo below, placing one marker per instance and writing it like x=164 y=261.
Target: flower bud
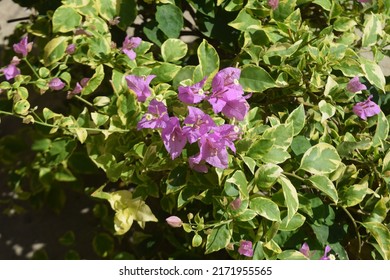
x=174 y=221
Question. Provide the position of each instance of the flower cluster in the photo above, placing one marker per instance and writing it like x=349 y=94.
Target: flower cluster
x=226 y=96
x=23 y=48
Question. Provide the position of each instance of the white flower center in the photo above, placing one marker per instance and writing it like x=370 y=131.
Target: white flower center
x=148 y=117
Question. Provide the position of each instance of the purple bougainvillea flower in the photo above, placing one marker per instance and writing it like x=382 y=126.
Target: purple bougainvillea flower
x=140 y=86
x=228 y=134
x=78 y=87
x=305 y=250
x=156 y=117
x=11 y=71
x=129 y=44
x=227 y=78
x=237 y=108
x=213 y=151
x=197 y=164
x=326 y=253
x=70 y=49
x=354 y=85
x=227 y=94
x=197 y=123
x=23 y=47
x=192 y=94
x=174 y=221
x=56 y=84
x=273 y=4
x=245 y=248
x=366 y=108
x=173 y=137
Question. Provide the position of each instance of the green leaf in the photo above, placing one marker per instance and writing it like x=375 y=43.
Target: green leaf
x=219 y=238
x=327 y=110
x=325 y=185
x=21 y=107
x=208 y=62
x=350 y=67
x=244 y=22
x=118 y=82
x=66 y=19
x=239 y=179
x=99 y=119
x=283 y=50
x=250 y=163
x=259 y=148
x=94 y=82
x=185 y=73
x=382 y=235
x=379 y=213
x=165 y=72
x=266 y=175
x=22 y=92
x=101 y=101
x=54 y=50
x=297 y=118
x=344 y=24
x=173 y=49
x=292 y=255
x=106 y=8
x=373 y=73
x=382 y=130
x=353 y=195
x=103 y=244
x=372 y=29
x=290 y=196
x=266 y=208
x=347 y=147
x=63 y=174
x=300 y=145
x=256 y=79
x=296 y=222
x=275 y=155
x=271 y=249
x=127 y=11
x=81 y=134
x=386 y=163
x=281 y=134
x=170 y=20
x=325 y=4
x=49 y=114
x=177 y=179
x=320 y=159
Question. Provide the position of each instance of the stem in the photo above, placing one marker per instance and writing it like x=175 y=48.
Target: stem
x=355 y=227
x=31 y=67
x=294 y=176
x=83 y=100
x=91 y=129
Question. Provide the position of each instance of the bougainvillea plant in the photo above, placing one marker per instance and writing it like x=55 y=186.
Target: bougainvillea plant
x=224 y=129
